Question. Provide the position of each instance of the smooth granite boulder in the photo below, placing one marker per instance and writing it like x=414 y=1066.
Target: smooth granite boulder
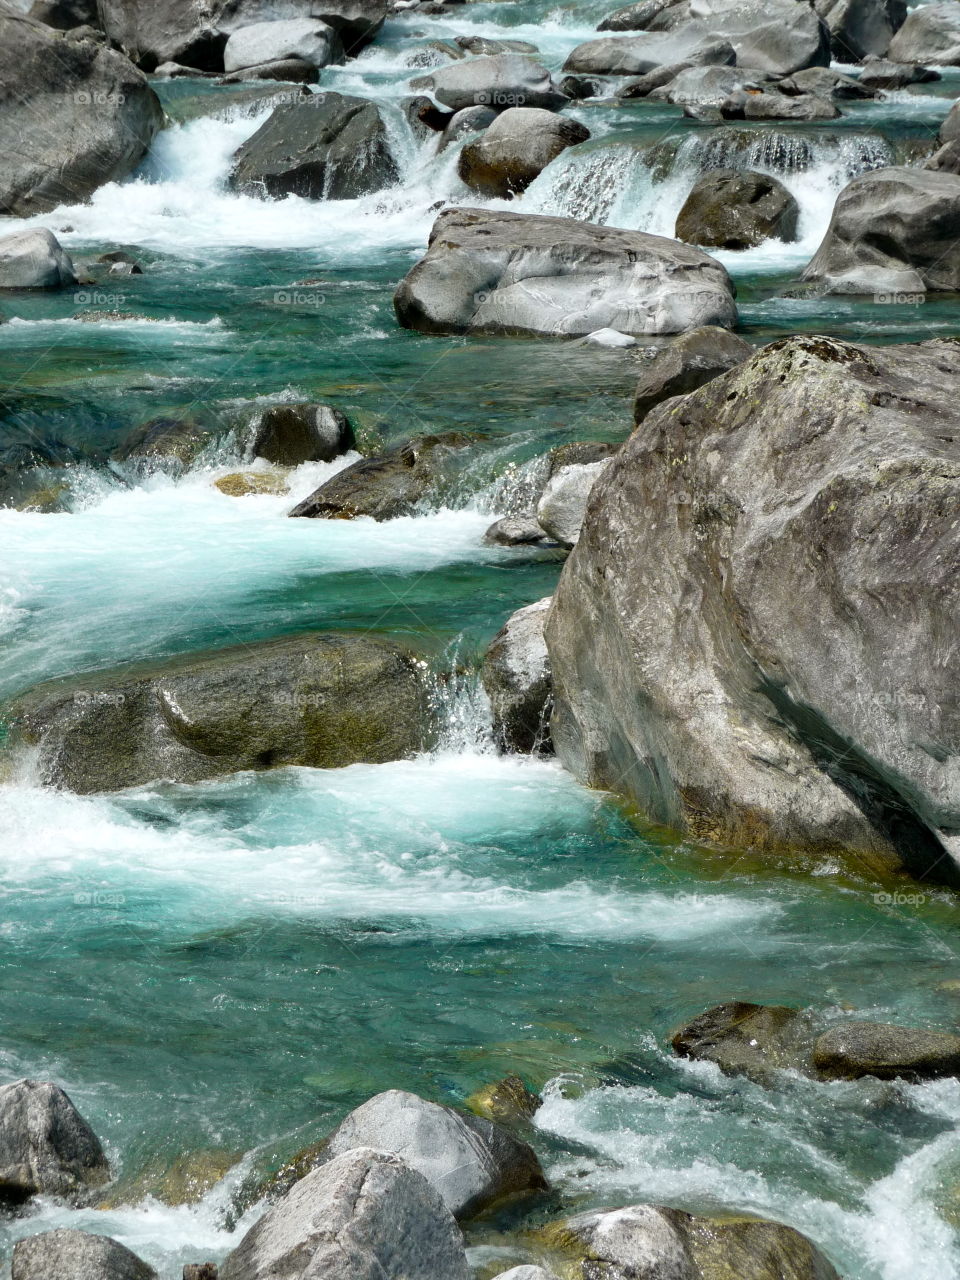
x=67 y=1254
x=46 y=1146
x=304 y=39
x=34 y=259
x=515 y=148
x=686 y=363
x=737 y=209
x=861 y=28
x=516 y=676
x=499 y=80
x=930 y=34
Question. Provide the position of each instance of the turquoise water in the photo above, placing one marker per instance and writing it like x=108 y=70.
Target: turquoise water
x=233 y=965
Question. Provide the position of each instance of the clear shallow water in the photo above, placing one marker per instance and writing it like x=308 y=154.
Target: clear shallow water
x=233 y=965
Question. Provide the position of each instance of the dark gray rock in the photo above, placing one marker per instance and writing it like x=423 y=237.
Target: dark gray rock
x=305 y=39
x=201 y=1271
x=324 y=700
x=881 y=74
x=515 y=148
x=752 y=1040
x=482 y=45
x=633 y=17
x=893 y=231
x=73 y=116
x=823 y=82
x=289 y=434
x=293 y=70
x=388 y=485
x=517 y=531
x=579 y=88
x=469 y=120
x=637 y=56
x=737 y=209
x=686 y=363
x=770 y=105
x=659 y=78
x=492 y=272
x=46 y=1146
x=472 y=1162
x=34 y=259
x=931 y=33
x=68 y=1254
x=861 y=28
x=501 y=81
x=425 y=117
x=754 y=637
x=327 y=147
x=366 y=1215
x=64 y=14
x=173 y=442
x=854 y=1049
x=516 y=676
x=948 y=156
x=707 y=87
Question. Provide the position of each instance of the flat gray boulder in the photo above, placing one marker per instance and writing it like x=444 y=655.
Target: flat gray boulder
x=325 y=700
x=46 y=1146
x=686 y=363
x=854 y=1049
x=516 y=676
x=67 y=1254
x=892 y=231
x=492 y=272
x=290 y=434
x=34 y=259
x=305 y=39
x=714 y=635
x=515 y=148
x=329 y=146
x=472 y=1162
x=639 y=55
x=499 y=80
x=73 y=116
x=366 y=1215
x=931 y=33
x=737 y=209
x=881 y=75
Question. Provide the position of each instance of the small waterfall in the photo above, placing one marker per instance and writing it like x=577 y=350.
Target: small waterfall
x=776 y=152
x=459 y=702
x=599 y=185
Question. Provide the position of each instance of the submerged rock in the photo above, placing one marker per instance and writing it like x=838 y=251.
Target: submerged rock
x=931 y=33
x=492 y=272
x=750 y=553
x=46 y=1146
x=854 y=1049
x=289 y=434
x=68 y=1254
x=563 y=503
x=328 y=147
x=516 y=676
x=325 y=700
x=240 y=484
x=472 y=1162
x=73 y=116
x=388 y=485
x=508 y=1102
x=367 y=1215
x=752 y=1040
x=686 y=363
x=737 y=209
x=500 y=81
x=303 y=39
x=34 y=259
x=893 y=232
x=515 y=148
x=178 y=441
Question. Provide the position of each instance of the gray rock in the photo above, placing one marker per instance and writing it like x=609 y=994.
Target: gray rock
x=752 y=1040
x=892 y=231
x=659 y=78
x=516 y=147
x=501 y=81
x=931 y=33
x=707 y=86
x=749 y=555
x=327 y=147
x=472 y=1162
x=861 y=28
x=526 y=1273
x=305 y=39
x=46 y=1146
x=365 y=1215
x=73 y=116
x=292 y=70
x=633 y=17
x=769 y=105
x=426 y=118
x=823 y=82
x=737 y=209
x=519 y=531
x=881 y=74
x=579 y=88
x=516 y=676
x=686 y=363
x=64 y=14
x=289 y=434
x=562 y=507
x=948 y=156
x=637 y=56
x=324 y=700
x=34 y=259
x=387 y=485
x=469 y=120
x=854 y=1049
x=480 y=45
x=161 y=443
x=68 y=1254
x=492 y=272
x=201 y=1271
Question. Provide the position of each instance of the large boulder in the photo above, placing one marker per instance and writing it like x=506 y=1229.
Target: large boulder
x=68 y=1254
x=46 y=1146
x=861 y=28
x=492 y=272
x=305 y=39
x=34 y=259
x=948 y=156
x=850 y=1050
x=73 y=116
x=881 y=75
x=931 y=33
x=639 y=55
x=516 y=676
x=289 y=434
x=366 y=1215
x=754 y=636
x=325 y=700
x=892 y=231
x=737 y=209
x=328 y=147
x=686 y=363
x=752 y=1040
x=499 y=81
x=516 y=147
x=563 y=503
x=649 y=1242
x=389 y=484
x=770 y=105
x=472 y=1162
